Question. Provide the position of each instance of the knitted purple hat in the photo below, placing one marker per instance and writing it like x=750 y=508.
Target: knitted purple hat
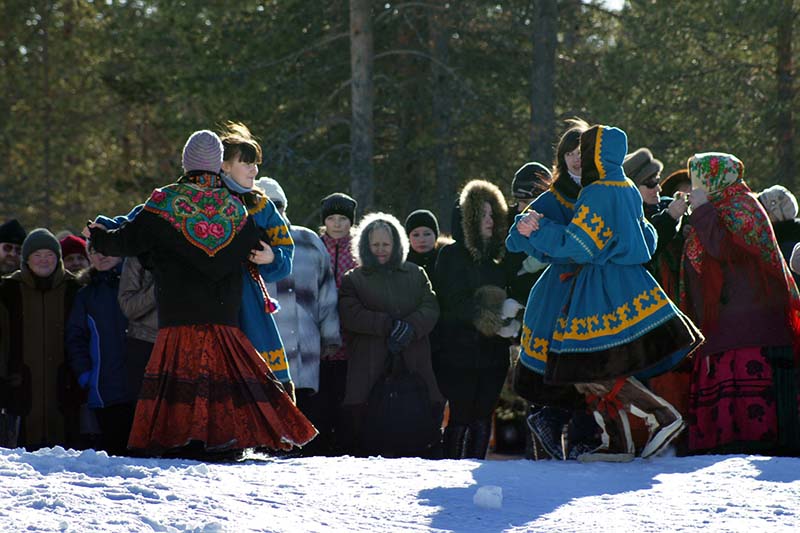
x=203 y=151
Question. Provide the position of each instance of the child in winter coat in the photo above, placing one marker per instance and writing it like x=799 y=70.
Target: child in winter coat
x=95 y=340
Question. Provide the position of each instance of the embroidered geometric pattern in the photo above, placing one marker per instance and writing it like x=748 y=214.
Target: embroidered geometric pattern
x=275 y=359
x=561 y=199
x=625 y=316
x=626 y=183
x=600 y=234
x=534 y=347
x=208 y=218
x=597 y=161
x=279 y=236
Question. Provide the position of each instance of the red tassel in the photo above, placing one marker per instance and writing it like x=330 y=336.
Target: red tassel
x=270 y=306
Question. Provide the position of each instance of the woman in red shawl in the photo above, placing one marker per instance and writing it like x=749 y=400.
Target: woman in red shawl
x=735 y=283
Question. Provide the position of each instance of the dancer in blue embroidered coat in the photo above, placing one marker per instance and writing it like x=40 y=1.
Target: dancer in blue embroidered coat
x=615 y=321
x=241 y=157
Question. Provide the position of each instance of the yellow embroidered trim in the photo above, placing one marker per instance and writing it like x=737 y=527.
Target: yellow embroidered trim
x=534 y=347
x=275 y=359
x=581 y=329
x=563 y=201
x=601 y=171
x=626 y=183
x=279 y=236
x=598 y=234
x=262 y=203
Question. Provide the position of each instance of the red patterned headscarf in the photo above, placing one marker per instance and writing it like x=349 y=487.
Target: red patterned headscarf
x=749 y=232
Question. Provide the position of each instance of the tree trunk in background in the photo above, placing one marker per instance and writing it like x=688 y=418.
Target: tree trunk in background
x=362 y=183
x=47 y=112
x=545 y=25
x=785 y=121
x=445 y=164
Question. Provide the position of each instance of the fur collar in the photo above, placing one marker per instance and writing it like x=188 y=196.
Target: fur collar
x=473 y=196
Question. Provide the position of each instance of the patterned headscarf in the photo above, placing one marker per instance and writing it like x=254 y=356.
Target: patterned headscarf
x=749 y=231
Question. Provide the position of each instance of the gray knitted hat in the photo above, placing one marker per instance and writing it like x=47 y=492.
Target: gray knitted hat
x=40 y=239
x=202 y=151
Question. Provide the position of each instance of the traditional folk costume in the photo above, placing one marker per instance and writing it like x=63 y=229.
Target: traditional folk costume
x=258 y=307
x=736 y=284
x=255 y=315
x=553 y=406
x=614 y=321
x=205 y=382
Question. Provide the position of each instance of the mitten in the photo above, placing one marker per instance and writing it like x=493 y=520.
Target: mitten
x=510 y=308
x=510 y=330
x=401 y=336
x=531 y=265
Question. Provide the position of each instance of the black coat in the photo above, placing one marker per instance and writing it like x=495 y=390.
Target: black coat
x=191 y=286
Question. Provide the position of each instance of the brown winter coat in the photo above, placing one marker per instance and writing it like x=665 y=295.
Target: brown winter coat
x=369 y=300
x=40 y=387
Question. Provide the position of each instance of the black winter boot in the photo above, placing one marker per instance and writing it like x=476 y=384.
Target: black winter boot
x=477 y=441
x=454 y=441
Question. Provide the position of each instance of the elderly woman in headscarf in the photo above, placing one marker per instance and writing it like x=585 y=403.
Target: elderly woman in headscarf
x=612 y=322
x=737 y=286
x=388 y=308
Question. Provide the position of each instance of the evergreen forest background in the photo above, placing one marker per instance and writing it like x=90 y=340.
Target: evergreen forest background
x=396 y=103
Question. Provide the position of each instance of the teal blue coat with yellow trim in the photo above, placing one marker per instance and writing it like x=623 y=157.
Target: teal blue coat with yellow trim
x=611 y=300
x=549 y=292
x=258 y=324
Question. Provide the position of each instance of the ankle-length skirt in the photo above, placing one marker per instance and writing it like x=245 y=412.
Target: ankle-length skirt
x=208 y=384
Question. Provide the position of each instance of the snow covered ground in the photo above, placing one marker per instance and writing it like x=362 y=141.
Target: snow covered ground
x=57 y=490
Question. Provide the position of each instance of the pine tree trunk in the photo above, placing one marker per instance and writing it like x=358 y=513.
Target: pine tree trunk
x=438 y=24
x=545 y=25
x=785 y=122
x=361 y=96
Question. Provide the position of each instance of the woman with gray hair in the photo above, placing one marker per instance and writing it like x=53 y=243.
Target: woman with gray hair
x=389 y=308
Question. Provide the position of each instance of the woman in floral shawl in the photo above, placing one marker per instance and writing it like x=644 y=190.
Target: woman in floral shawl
x=737 y=286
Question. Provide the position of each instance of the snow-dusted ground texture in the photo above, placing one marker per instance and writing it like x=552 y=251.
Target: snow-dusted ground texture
x=58 y=490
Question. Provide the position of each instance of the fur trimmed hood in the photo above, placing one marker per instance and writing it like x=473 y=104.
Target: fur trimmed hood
x=471 y=201
x=360 y=244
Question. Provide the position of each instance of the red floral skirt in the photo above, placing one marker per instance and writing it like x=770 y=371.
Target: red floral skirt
x=732 y=402
x=208 y=384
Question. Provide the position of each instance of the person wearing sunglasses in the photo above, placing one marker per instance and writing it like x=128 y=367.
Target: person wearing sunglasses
x=664 y=213
x=11 y=236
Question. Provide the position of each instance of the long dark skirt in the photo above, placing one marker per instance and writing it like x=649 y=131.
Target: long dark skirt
x=208 y=384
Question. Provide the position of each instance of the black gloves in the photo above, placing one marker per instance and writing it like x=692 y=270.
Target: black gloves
x=401 y=336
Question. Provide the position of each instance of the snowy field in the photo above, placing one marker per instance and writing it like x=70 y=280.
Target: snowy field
x=57 y=490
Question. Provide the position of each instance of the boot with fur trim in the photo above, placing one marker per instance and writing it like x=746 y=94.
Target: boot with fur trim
x=664 y=422
x=616 y=440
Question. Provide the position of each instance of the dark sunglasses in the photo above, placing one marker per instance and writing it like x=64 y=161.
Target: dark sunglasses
x=651 y=184
x=9 y=247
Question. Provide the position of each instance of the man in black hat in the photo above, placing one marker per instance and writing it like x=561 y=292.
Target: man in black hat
x=11 y=236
